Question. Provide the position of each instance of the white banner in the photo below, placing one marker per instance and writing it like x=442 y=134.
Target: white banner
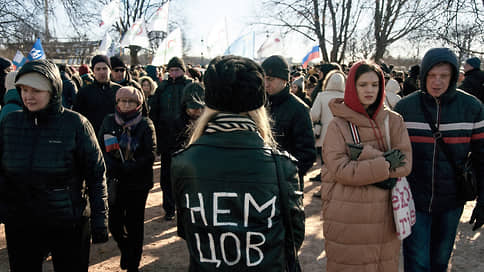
x=136 y=35
x=159 y=20
x=110 y=13
x=171 y=47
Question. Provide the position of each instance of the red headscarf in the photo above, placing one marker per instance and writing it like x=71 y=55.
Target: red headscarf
x=351 y=96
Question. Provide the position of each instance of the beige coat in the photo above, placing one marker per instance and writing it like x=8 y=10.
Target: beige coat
x=358 y=223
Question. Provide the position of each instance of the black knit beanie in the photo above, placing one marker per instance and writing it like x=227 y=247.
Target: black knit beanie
x=176 y=62
x=234 y=84
x=276 y=66
x=117 y=62
x=100 y=58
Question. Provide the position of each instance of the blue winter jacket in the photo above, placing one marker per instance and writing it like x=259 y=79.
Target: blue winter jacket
x=460 y=119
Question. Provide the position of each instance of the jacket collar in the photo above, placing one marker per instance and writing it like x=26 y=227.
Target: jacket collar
x=280 y=97
x=340 y=109
x=235 y=139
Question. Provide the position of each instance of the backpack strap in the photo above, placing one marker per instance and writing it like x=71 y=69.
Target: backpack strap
x=354 y=133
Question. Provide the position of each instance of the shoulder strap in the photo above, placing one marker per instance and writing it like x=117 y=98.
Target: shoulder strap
x=438 y=136
x=284 y=200
x=354 y=133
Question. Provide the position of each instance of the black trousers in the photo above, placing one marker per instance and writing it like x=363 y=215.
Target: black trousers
x=165 y=183
x=69 y=246
x=126 y=223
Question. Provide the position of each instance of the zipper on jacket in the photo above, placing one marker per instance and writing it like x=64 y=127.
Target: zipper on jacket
x=434 y=157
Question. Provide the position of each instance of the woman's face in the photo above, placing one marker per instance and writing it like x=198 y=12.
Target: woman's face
x=127 y=105
x=34 y=99
x=367 y=87
x=146 y=86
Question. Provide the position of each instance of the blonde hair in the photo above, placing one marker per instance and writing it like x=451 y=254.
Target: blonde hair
x=259 y=116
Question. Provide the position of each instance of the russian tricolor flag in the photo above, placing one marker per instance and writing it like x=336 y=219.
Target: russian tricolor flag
x=111 y=142
x=313 y=54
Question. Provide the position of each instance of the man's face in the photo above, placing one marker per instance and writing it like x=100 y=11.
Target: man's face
x=175 y=72
x=274 y=85
x=101 y=72
x=467 y=67
x=118 y=74
x=438 y=79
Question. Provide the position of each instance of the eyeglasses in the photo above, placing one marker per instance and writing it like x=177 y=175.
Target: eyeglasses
x=119 y=70
x=128 y=101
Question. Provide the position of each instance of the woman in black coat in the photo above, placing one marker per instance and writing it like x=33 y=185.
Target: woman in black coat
x=50 y=162
x=128 y=141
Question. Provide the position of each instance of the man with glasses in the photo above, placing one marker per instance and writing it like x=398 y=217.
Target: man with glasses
x=121 y=75
x=97 y=100
x=165 y=109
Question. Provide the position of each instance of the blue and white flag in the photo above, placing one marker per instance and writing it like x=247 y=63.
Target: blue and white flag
x=18 y=60
x=37 y=52
x=244 y=46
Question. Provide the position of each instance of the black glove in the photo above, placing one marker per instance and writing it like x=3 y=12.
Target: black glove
x=99 y=235
x=477 y=216
x=355 y=151
x=386 y=184
x=395 y=157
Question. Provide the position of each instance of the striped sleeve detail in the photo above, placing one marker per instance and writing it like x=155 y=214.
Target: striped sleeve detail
x=445 y=127
x=454 y=133
x=447 y=140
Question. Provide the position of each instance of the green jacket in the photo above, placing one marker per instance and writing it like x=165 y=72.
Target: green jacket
x=229 y=211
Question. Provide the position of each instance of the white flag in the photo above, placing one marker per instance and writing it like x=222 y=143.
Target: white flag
x=271 y=46
x=170 y=47
x=105 y=44
x=159 y=20
x=217 y=39
x=110 y=13
x=136 y=35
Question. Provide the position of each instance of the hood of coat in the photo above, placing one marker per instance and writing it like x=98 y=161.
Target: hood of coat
x=392 y=86
x=433 y=57
x=50 y=71
x=351 y=99
x=340 y=109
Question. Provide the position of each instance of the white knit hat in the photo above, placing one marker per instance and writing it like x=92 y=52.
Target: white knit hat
x=336 y=82
x=392 y=86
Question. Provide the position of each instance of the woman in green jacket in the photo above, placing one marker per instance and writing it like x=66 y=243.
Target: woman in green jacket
x=227 y=183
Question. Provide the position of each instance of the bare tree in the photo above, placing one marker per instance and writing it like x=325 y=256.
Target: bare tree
x=395 y=19
x=312 y=18
x=461 y=27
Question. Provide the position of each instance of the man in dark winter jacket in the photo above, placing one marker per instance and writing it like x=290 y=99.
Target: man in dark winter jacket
x=5 y=66
x=460 y=119
x=474 y=78
x=120 y=73
x=97 y=100
x=51 y=164
x=293 y=129
x=412 y=83
x=165 y=109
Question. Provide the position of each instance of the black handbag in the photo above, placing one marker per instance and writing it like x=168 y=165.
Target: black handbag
x=464 y=175
x=292 y=262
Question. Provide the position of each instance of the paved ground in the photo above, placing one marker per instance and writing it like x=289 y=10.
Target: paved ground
x=164 y=251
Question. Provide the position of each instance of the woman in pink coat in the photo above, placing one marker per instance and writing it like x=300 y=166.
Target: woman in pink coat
x=358 y=173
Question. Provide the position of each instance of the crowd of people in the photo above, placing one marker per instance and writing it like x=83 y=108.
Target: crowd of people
x=235 y=140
